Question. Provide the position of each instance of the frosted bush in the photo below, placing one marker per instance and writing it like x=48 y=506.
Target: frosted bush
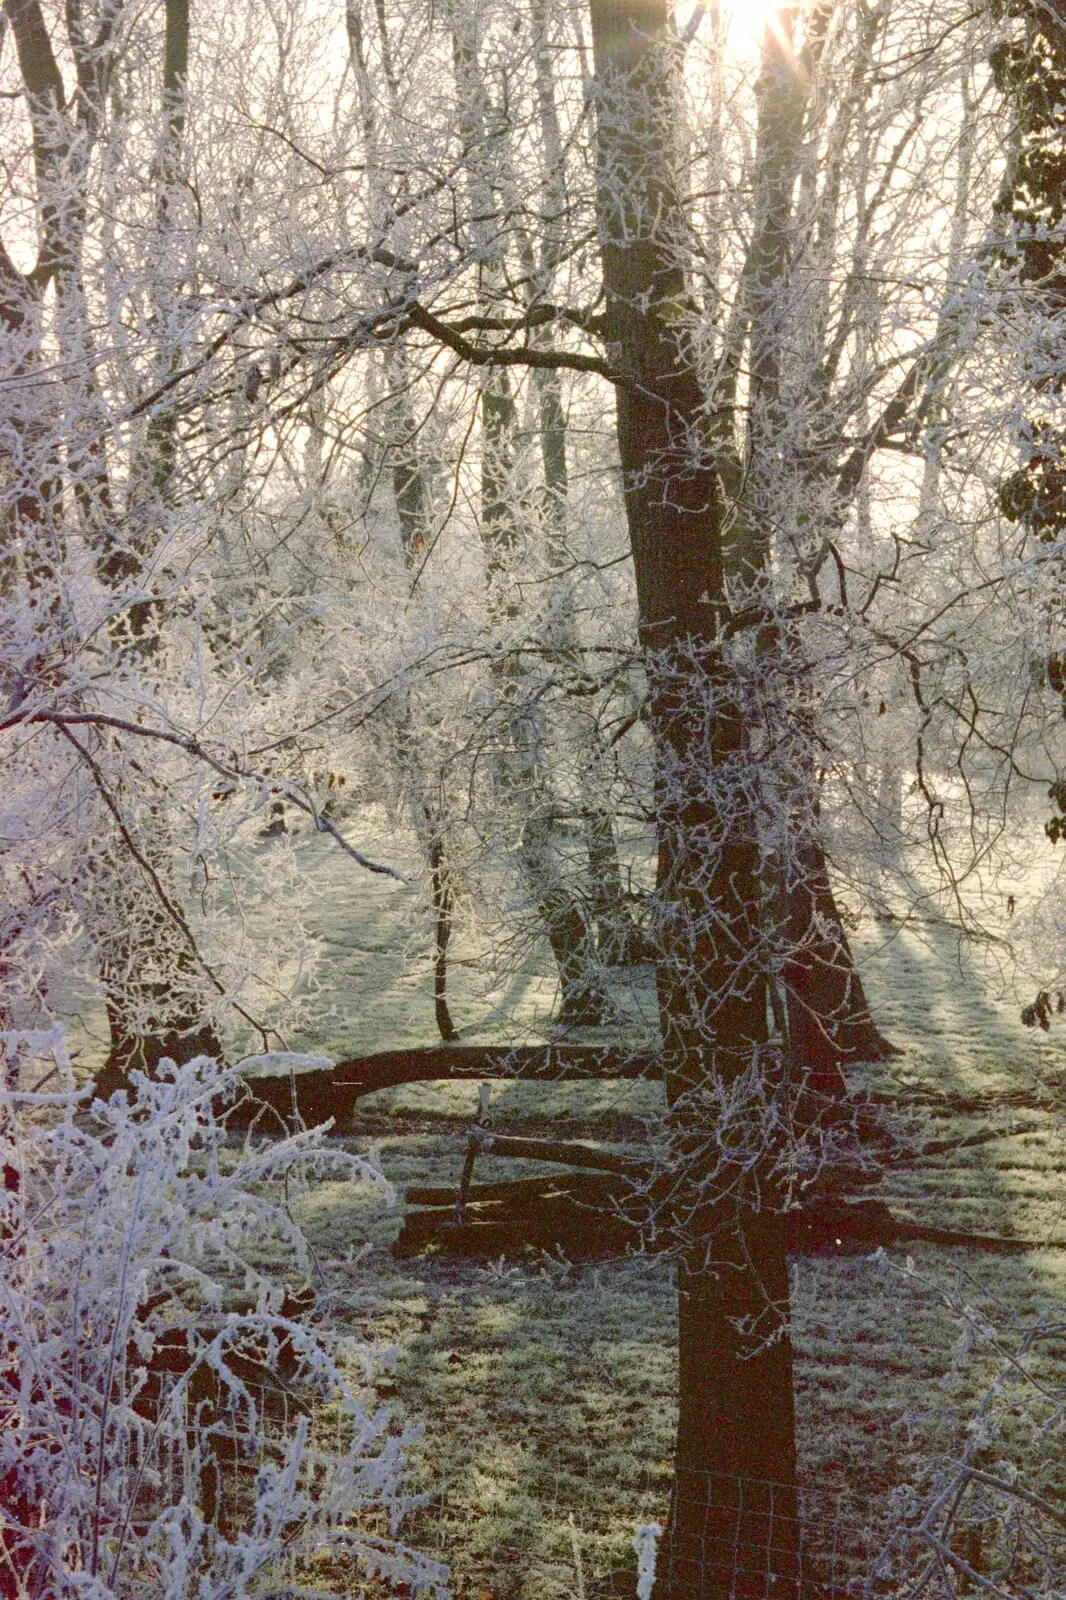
x=170 y=1425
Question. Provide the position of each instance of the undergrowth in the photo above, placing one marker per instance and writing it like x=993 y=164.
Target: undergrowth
x=172 y=1421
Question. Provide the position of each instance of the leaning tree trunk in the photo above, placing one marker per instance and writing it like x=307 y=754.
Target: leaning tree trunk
x=828 y=1018
x=733 y=1520
x=829 y=1021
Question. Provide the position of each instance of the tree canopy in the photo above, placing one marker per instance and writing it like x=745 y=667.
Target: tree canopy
x=620 y=445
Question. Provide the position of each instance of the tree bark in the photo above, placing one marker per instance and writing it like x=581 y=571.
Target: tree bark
x=442 y=905
x=735 y=1477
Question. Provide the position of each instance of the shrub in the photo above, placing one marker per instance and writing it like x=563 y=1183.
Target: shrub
x=164 y=1399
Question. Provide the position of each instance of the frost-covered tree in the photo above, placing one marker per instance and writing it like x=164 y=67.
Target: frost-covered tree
x=541 y=414
x=142 y=646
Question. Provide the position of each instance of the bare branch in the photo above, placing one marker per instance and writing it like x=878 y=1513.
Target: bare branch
x=64 y=721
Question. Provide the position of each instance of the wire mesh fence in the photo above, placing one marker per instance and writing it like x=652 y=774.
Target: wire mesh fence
x=756 y=1538
x=550 y=1532
x=718 y=1536
x=712 y=1534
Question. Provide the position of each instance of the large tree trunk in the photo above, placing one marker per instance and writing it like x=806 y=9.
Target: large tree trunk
x=733 y=1527
x=139 y=1042
x=736 y=1431
x=733 y=1519
x=731 y=911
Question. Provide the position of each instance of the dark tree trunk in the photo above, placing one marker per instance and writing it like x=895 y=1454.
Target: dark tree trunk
x=733 y=1518
x=442 y=906
x=829 y=1021
x=733 y=1527
x=152 y=982
x=736 y=1428
x=138 y=1045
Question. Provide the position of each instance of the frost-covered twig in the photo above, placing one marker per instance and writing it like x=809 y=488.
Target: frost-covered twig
x=123 y=1375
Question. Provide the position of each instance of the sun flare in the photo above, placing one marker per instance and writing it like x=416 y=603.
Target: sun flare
x=750 y=16
x=740 y=23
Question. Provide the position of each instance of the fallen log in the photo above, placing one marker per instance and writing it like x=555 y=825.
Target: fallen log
x=281 y=1104
x=581 y=1212
x=943 y=1147
x=566 y=1152
x=591 y=1214
x=311 y=1097
x=544 y=1063
x=591 y=1189
x=444 y=1196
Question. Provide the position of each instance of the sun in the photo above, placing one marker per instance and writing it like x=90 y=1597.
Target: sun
x=742 y=23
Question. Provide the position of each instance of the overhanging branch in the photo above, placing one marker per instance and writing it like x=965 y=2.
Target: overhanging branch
x=479 y=355
x=64 y=721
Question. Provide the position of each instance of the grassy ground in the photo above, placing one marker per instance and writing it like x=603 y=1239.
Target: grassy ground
x=549 y=1389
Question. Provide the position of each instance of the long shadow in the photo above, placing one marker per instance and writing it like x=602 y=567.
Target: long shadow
x=868 y=1357
x=539 y=1371
x=969 y=1064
